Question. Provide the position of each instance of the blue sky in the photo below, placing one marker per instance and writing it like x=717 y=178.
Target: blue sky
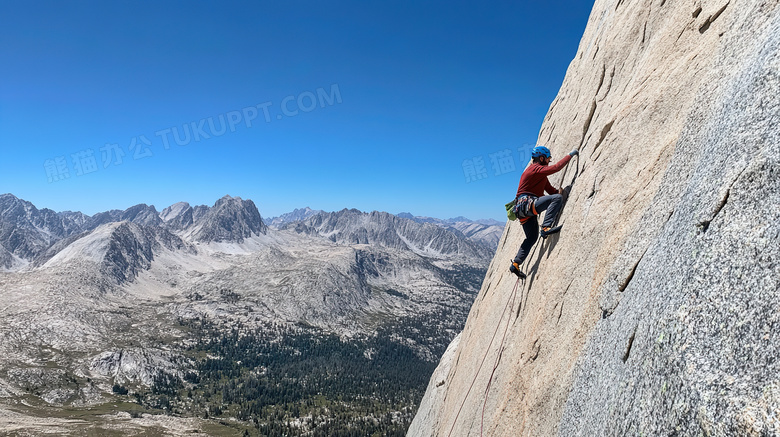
x=344 y=104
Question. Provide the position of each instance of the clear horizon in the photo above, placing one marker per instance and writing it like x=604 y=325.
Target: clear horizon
x=421 y=108
x=264 y=216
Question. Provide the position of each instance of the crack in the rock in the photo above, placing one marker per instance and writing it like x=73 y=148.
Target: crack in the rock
x=623 y=285
x=586 y=126
x=609 y=85
x=711 y=19
x=630 y=344
x=534 y=351
x=604 y=131
x=601 y=80
x=704 y=225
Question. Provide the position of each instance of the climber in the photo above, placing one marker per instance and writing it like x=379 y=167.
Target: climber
x=531 y=201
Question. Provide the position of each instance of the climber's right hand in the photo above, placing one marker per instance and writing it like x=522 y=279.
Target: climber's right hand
x=574 y=153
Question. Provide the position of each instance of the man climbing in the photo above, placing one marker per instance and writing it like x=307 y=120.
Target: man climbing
x=531 y=201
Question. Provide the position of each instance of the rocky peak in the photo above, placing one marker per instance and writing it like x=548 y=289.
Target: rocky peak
x=174 y=211
x=79 y=219
x=26 y=231
x=230 y=219
x=121 y=249
x=130 y=249
x=299 y=214
x=177 y=216
x=12 y=205
x=103 y=218
x=141 y=214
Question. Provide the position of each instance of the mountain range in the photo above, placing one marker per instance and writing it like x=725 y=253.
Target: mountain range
x=113 y=299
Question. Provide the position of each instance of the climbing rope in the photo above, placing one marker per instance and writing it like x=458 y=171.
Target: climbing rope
x=500 y=352
x=511 y=301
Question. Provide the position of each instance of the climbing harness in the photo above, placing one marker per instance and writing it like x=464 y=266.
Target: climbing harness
x=523 y=208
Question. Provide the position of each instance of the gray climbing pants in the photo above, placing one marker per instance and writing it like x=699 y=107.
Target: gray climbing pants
x=551 y=204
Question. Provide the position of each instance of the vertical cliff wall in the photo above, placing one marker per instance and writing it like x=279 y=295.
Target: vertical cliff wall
x=657 y=310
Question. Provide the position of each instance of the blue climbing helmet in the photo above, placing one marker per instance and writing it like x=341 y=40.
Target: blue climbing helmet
x=540 y=151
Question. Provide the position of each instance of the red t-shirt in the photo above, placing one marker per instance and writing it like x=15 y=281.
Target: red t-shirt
x=534 y=179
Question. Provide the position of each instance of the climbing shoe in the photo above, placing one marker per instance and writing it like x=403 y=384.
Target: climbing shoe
x=549 y=231
x=515 y=268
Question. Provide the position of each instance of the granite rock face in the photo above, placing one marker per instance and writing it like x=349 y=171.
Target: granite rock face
x=655 y=311
x=435 y=392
